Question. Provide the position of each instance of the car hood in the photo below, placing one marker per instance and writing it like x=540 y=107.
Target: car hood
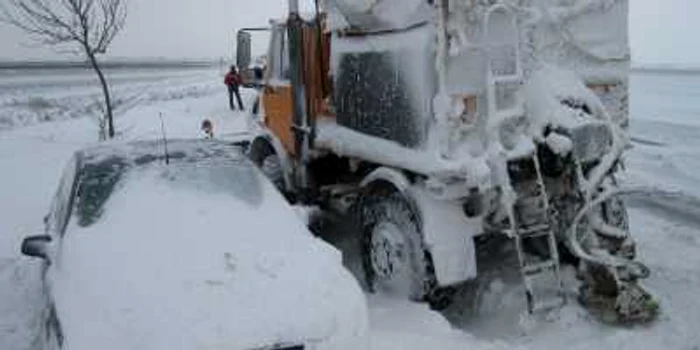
x=182 y=268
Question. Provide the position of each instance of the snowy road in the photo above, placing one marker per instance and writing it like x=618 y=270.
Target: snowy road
x=666 y=157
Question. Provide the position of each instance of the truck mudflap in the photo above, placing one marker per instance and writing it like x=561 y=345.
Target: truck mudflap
x=611 y=287
x=449 y=236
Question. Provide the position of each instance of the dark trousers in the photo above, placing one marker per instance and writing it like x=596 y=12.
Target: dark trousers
x=234 y=90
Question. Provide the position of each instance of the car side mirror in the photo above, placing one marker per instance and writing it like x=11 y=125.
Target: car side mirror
x=37 y=246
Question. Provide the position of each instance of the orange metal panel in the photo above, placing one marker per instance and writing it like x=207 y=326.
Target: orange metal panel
x=469 y=113
x=470 y=110
x=314 y=69
x=277 y=103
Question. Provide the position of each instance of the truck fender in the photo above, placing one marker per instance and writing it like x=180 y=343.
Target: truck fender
x=447 y=233
x=385 y=174
x=264 y=144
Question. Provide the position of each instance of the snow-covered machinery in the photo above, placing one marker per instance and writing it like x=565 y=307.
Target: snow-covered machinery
x=440 y=121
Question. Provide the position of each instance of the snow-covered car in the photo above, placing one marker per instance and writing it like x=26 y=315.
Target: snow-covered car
x=189 y=248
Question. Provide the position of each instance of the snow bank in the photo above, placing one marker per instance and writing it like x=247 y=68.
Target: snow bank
x=23 y=101
x=398 y=324
x=21 y=301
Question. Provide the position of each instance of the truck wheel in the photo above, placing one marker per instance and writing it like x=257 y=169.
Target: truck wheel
x=271 y=167
x=394 y=257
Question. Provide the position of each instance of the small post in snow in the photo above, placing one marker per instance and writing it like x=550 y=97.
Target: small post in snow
x=165 y=139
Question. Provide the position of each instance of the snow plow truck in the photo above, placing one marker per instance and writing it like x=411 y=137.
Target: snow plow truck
x=437 y=122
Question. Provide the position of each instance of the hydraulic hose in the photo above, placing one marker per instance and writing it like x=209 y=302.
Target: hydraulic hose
x=574 y=240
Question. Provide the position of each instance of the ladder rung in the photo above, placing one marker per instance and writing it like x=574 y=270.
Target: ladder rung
x=530 y=231
x=531 y=220
x=534 y=231
x=550 y=305
x=531 y=200
x=507 y=79
x=537 y=268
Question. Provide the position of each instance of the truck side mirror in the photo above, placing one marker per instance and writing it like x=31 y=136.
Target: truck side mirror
x=37 y=246
x=243 y=53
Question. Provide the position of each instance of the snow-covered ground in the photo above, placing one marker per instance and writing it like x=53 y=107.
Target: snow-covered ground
x=31 y=96
x=665 y=126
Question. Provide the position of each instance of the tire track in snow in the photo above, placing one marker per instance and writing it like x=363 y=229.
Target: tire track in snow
x=647 y=142
x=676 y=206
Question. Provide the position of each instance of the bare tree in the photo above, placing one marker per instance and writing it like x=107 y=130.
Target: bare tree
x=87 y=27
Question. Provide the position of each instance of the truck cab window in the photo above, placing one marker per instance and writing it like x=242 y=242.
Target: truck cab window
x=278 y=54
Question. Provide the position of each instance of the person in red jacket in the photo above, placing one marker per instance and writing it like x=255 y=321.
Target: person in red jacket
x=233 y=82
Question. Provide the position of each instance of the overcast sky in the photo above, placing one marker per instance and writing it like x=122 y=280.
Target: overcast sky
x=662 y=31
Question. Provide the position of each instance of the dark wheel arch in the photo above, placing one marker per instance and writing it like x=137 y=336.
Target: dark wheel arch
x=382 y=202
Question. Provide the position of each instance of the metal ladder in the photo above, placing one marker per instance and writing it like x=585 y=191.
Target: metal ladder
x=504 y=77
x=526 y=229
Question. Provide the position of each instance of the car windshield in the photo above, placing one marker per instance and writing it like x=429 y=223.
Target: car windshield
x=100 y=179
x=96 y=183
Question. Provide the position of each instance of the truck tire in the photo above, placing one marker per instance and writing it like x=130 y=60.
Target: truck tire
x=394 y=257
x=271 y=167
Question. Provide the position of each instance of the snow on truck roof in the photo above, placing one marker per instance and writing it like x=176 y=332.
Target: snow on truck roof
x=207 y=252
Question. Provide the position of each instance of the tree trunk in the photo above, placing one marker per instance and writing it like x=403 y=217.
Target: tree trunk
x=105 y=92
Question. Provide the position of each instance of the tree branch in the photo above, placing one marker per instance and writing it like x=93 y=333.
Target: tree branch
x=89 y=25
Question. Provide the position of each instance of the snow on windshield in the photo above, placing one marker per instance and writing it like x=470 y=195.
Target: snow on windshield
x=238 y=179
x=97 y=181
x=101 y=176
